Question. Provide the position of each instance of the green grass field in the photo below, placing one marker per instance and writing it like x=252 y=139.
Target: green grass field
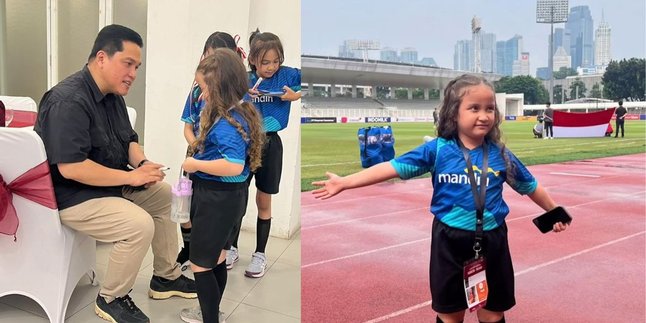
x=334 y=147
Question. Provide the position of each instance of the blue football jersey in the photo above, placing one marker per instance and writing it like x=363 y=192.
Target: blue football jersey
x=452 y=201
x=274 y=111
x=224 y=141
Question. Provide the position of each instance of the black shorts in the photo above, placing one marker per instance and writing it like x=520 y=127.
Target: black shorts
x=268 y=175
x=216 y=207
x=450 y=248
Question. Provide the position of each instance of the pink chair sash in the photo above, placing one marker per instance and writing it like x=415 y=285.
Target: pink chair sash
x=34 y=185
x=23 y=119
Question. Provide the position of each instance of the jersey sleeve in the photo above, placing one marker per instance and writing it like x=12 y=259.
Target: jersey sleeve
x=524 y=182
x=231 y=145
x=193 y=96
x=294 y=79
x=417 y=161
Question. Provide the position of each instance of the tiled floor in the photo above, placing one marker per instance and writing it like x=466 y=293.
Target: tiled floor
x=274 y=298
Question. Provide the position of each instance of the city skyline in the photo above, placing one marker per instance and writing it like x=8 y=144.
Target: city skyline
x=433 y=28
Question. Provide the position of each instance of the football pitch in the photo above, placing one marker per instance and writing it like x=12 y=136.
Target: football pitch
x=334 y=147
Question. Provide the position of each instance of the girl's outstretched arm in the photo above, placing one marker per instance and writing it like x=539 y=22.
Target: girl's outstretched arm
x=543 y=199
x=336 y=184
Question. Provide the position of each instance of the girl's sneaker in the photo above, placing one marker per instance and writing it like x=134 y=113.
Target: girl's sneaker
x=232 y=257
x=256 y=268
x=194 y=315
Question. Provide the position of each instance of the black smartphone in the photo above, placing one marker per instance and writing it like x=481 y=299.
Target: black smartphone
x=545 y=222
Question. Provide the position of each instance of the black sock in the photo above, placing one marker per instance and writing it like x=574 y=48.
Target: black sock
x=208 y=295
x=220 y=272
x=439 y=320
x=182 y=257
x=262 y=234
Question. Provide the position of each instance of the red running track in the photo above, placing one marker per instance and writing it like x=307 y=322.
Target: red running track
x=365 y=252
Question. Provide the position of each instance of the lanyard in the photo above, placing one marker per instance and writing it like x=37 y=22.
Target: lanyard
x=478 y=198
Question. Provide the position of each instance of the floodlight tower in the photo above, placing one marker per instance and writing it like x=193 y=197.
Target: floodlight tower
x=551 y=12
x=475 y=30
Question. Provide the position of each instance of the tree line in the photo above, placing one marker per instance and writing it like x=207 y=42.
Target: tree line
x=623 y=80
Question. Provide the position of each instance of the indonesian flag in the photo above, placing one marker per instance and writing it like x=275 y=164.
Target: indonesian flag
x=571 y=125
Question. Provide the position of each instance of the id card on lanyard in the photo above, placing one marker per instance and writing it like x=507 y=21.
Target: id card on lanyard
x=474 y=270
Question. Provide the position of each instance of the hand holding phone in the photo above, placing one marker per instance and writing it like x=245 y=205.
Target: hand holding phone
x=545 y=222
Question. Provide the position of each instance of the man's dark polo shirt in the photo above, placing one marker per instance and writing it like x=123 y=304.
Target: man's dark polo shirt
x=77 y=122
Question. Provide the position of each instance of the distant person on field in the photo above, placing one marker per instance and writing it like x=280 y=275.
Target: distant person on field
x=620 y=114
x=548 y=119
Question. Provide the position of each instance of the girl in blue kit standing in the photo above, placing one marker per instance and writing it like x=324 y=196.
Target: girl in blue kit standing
x=468 y=150
x=226 y=150
x=266 y=57
x=191 y=118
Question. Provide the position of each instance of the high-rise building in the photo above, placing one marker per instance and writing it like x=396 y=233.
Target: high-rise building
x=488 y=52
x=580 y=27
x=408 y=55
x=561 y=39
x=462 y=55
x=389 y=55
x=521 y=66
x=346 y=50
x=506 y=53
x=602 y=54
x=561 y=59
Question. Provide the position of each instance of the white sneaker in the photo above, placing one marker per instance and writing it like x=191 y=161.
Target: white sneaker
x=232 y=257
x=545 y=138
x=191 y=315
x=256 y=268
x=194 y=315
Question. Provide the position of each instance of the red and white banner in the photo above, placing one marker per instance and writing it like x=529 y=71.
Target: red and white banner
x=571 y=125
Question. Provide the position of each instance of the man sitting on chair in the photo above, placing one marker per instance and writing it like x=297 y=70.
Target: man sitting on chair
x=90 y=143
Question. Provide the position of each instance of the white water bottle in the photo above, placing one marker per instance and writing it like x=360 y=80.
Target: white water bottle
x=182 y=193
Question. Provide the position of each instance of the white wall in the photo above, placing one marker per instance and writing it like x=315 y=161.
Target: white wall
x=176 y=34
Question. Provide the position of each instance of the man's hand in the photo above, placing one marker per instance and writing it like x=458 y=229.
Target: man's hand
x=148 y=174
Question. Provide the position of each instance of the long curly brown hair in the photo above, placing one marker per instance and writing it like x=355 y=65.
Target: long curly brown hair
x=226 y=84
x=447 y=127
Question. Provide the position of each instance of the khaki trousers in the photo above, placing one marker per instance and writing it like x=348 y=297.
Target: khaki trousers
x=131 y=223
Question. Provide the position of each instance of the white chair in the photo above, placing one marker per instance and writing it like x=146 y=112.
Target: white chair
x=23 y=103
x=132 y=115
x=48 y=259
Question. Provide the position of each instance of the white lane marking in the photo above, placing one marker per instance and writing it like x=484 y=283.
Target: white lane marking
x=364 y=253
x=574 y=174
x=364 y=218
x=400 y=312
